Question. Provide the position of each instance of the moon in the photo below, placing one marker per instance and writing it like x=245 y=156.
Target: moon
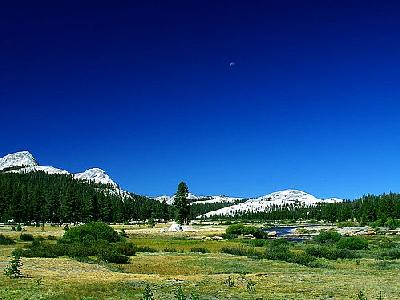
x=232 y=64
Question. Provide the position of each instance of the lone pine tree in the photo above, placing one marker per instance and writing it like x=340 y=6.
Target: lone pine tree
x=181 y=203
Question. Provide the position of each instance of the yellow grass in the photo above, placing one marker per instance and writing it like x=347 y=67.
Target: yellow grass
x=65 y=278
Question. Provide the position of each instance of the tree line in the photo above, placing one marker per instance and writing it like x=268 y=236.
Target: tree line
x=37 y=197
x=365 y=210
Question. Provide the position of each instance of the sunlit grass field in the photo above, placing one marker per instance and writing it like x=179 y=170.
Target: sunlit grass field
x=205 y=274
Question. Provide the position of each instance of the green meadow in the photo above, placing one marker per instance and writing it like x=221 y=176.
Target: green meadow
x=201 y=268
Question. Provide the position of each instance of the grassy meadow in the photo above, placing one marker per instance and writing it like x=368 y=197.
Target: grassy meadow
x=167 y=261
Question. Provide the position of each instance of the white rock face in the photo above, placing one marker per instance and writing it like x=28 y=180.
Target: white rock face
x=175 y=227
x=277 y=198
x=217 y=199
x=47 y=169
x=27 y=163
x=199 y=199
x=96 y=175
x=18 y=159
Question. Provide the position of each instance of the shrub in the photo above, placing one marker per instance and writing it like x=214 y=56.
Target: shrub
x=43 y=249
x=352 y=243
x=26 y=237
x=390 y=254
x=79 y=250
x=146 y=249
x=199 y=250
x=386 y=243
x=123 y=233
x=179 y=294
x=392 y=223
x=230 y=282
x=90 y=232
x=376 y=224
x=280 y=242
x=51 y=238
x=258 y=242
x=170 y=250
x=5 y=240
x=242 y=251
x=239 y=229
x=329 y=252
x=19 y=227
x=128 y=249
x=13 y=270
x=346 y=224
x=327 y=237
x=147 y=293
x=111 y=255
x=279 y=252
x=302 y=258
x=226 y=236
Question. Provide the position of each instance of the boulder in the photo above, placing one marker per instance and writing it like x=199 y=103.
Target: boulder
x=175 y=227
x=249 y=236
x=272 y=234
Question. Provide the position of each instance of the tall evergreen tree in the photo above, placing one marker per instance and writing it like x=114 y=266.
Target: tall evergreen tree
x=181 y=203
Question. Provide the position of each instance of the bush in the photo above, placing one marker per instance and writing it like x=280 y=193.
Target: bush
x=5 y=240
x=352 y=243
x=226 y=236
x=148 y=293
x=26 y=237
x=279 y=252
x=346 y=224
x=199 y=250
x=44 y=249
x=111 y=255
x=92 y=239
x=390 y=254
x=242 y=251
x=302 y=258
x=240 y=229
x=13 y=270
x=329 y=252
x=51 y=238
x=392 y=223
x=170 y=250
x=89 y=233
x=79 y=250
x=146 y=249
x=376 y=224
x=327 y=237
x=386 y=243
x=127 y=249
x=257 y=243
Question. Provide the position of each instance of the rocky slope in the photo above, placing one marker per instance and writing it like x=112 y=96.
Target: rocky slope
x=200 y=199
x=24 y=162
x=277 y=198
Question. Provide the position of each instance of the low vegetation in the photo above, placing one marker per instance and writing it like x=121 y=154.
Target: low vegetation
x=89 y=240
x=77 y=264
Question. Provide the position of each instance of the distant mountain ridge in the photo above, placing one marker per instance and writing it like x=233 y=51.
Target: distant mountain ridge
x=24 y=162
x=280 y=198
x=200 y=199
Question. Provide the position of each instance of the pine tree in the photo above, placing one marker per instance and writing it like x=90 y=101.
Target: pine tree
x=182 y=204
x=13 y=270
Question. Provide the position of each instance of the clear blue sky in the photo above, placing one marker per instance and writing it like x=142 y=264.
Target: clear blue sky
x=144 y=90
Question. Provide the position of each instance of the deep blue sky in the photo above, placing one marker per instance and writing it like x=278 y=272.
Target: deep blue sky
x=144 y=90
